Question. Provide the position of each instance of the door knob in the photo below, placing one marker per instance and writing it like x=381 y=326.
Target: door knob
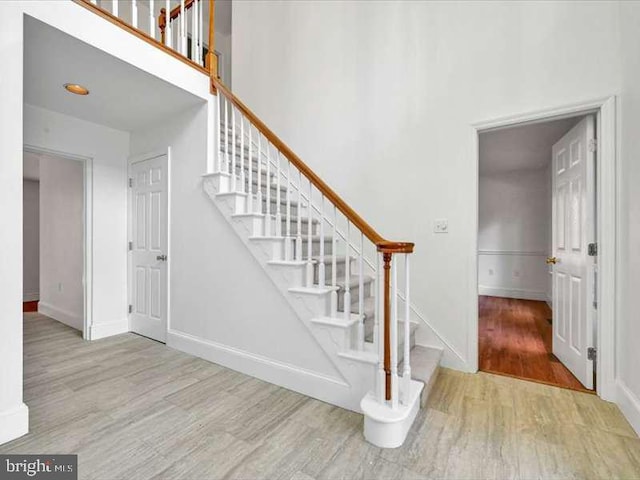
x=551 y=260
x=162 y=258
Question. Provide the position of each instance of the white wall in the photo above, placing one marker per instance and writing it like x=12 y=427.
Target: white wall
x=390 y=112
x=14 y=415
x=31 y=240
x=219 y=295
x=628 y=332
x=61 y=240
x=513 y=234
x=108 y=150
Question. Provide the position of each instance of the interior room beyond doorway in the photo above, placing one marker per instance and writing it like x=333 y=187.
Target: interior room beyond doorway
x=518 y=237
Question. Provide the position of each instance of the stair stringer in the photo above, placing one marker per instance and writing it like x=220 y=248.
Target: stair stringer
x=311 y=305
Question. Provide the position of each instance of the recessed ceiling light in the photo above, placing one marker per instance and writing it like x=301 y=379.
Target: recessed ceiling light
x=75 y=88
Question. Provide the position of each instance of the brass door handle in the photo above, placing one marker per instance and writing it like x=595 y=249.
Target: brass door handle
x=551 y=260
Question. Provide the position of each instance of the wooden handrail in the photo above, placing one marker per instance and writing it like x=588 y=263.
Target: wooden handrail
x=382 y=244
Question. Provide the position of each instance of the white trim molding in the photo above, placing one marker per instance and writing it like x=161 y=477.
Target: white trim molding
x=14 y=423
x=518 y=253
x=519 y=293
x=605 y=110
x=64 y=316
x=332 y=390
x=629 y=404
x=103 y=330
x=30 y=296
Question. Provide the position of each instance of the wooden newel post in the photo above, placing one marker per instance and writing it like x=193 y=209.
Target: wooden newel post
x=211 y=62
x=162 y=24
x=387 y=325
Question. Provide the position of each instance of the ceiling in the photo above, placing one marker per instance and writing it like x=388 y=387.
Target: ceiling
x=121 y=96
x=526 y=147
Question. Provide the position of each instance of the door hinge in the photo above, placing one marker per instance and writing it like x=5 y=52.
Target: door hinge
x=593 y=145
x=130 y=246
x=592 y=353
x=130 y=308
x=595 y=304
x=131 y=183
x=592 y=249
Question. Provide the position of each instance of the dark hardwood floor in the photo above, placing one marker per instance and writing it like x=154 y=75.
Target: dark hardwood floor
x=515 y=340
x=30 y=306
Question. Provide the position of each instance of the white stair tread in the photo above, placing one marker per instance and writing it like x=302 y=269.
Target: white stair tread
x=311 y=290
x=365 y=356
x=337 y=321
x=288 y=263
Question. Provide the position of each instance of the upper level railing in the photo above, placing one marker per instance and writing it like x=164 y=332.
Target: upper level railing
x=181 y=31
x=186 y=34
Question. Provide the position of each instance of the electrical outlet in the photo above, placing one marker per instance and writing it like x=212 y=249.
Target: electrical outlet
x=441 y=225
x=491 y=271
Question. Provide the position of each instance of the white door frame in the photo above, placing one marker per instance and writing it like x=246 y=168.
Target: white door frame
x=87 y=221
x=606 y=214
x=133 y=159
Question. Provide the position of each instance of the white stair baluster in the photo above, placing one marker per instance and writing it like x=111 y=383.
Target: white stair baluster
x=321 y=266
x=227 y=159
x=361 y=294
x=152 y=20
x=183 y=30
x=250 y=182
x=394 y=332
x=378 y=331
x=406 y=371
x=259 y=192
x=334 y=265
x=267 y=225
x=218 y=122
x=194 y=30
x=309 y=238
x=347 y=274
x=288 y=246
x=234 y=173
x=114 y=7
x=242 y=155
x=134 y=13
x=278 y=210
x=201 y=36
x=299 y=231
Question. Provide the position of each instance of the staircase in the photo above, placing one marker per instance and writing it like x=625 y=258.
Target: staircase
x=347 y=284
x=320 y=263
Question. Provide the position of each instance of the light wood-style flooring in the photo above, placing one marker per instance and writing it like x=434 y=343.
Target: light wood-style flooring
x=132 y=408
x=515 y=338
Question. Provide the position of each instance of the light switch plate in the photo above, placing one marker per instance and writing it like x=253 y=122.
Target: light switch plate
x=441 y=225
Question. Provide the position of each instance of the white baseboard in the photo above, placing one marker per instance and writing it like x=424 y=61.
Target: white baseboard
x=518 y=293
x=313 y=384
x=103 y=330
x=30 y=297
x=629 y=404
x=61 y=315
x=14 y=423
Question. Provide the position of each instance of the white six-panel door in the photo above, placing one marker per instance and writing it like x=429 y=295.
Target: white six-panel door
x=573 y=226
x=148 y=237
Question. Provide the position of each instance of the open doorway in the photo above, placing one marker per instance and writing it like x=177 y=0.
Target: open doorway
x=54 y=238
x=536 y=222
